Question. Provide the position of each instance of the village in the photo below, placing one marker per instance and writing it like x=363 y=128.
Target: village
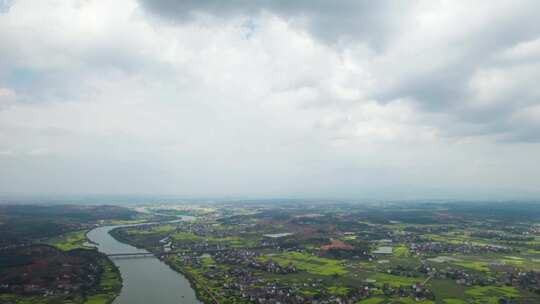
x=316 y=257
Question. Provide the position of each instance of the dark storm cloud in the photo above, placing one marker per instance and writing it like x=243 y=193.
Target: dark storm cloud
x=372 y=21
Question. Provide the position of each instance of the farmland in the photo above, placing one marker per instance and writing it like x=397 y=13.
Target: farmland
x=339 y=253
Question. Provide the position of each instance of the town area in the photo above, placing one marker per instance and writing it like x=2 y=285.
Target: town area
x=261 y=252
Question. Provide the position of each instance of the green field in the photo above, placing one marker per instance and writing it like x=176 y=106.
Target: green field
x=401 y=251
x=310 y=263
x=109 y=285
x=454 y=301
x=394 y=300
x=394 y=281
x=152 y=230
x=69 y=241
x=447 y=289
x=474 y=265
x=372 y=301
x=231 y=240
x=492 y=294
x=337 y=290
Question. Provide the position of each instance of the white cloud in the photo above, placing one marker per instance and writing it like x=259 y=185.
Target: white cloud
x=7 y=97
x=525 y=50
x=264 y=102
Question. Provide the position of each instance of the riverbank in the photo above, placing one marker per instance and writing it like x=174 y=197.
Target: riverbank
x=202 y=294
x=145 y=280
x=110 y=284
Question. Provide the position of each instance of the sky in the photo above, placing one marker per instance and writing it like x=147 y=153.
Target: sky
x=260 y=98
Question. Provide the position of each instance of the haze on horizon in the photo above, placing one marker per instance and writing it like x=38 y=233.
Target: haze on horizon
x=271 y=98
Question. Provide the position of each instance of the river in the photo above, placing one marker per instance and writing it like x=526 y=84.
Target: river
x=145 y=280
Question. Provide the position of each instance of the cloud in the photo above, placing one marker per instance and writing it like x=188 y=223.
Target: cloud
x=268 y=98
x=370 y=21
x=7 y=94
x=438 y=54
x=5 y=5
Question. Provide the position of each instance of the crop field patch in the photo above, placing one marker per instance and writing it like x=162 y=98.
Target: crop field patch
x=474 y=265
x=401 y=251
x=309 y=263
x=492 y=294
x=394 y=281
x=69 y=241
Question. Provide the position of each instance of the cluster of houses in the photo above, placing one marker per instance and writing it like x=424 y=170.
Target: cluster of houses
x=248 y=286
x=244 y=280
x=429 y=248
x=529 y=280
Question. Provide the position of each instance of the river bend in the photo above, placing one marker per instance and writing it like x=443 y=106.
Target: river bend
x=145 y=280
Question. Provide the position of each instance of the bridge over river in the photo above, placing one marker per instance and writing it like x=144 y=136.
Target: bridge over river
x=146 y=279
x=130 y=255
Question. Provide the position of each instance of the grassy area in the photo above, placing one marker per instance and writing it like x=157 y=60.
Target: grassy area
x=69 y=241
x=394 y=281
x=457 y=239
x=310 y=263
x=185 y=236
x=98 y=299
x=474 y=265
x=338 y=290
x=394 y=300
x=125 y=222
x=153 y=230
x=231 y=240
x=11 y=298
x=447 y=289
x=372 y=301
x=491 y=294
x=401 y=251
x=410 y=301
x=208 y=261
x=454 y=301
x=109 y=286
